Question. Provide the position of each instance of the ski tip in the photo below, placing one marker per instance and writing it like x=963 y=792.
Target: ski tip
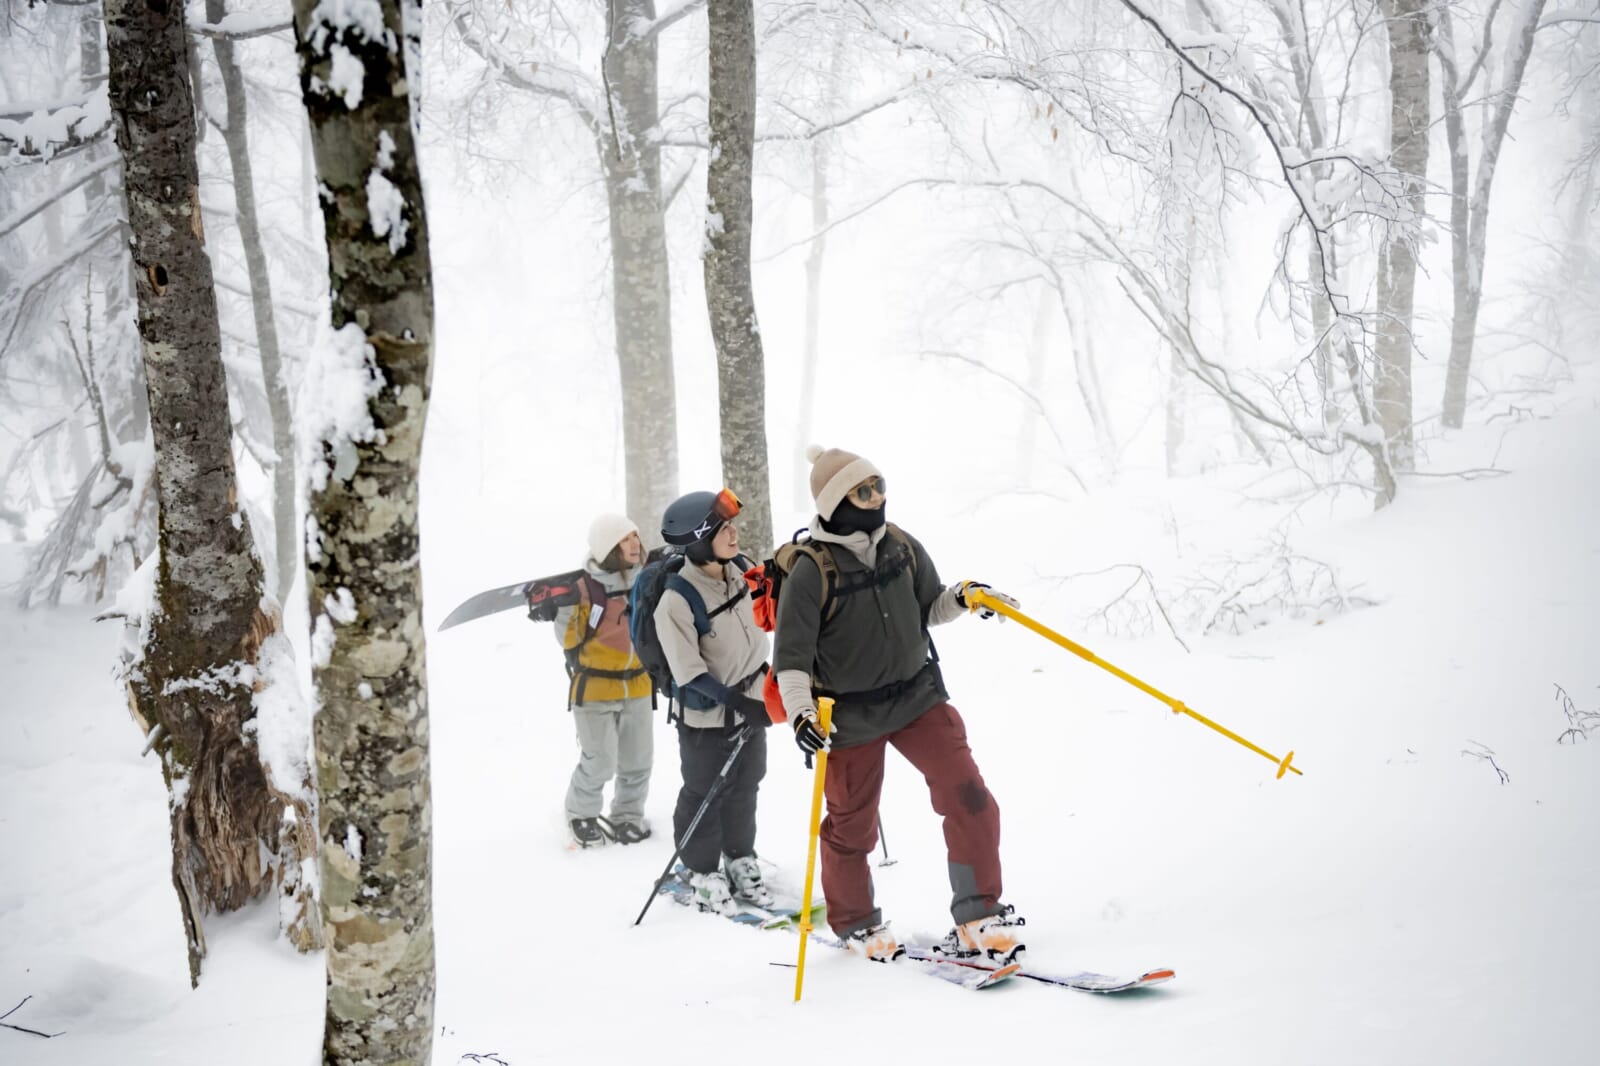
x=981 y=979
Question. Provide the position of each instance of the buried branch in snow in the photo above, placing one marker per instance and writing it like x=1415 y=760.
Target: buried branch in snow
x=1579 y=722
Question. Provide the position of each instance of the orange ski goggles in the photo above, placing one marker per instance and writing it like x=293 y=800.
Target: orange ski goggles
x=725 y=505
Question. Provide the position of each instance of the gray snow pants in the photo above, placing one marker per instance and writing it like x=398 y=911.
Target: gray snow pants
x=616 y=738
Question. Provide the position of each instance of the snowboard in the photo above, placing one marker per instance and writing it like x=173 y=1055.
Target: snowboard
x=540 y=595
x=536 y=594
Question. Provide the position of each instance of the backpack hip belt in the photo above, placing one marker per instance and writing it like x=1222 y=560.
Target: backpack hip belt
x=884 y=692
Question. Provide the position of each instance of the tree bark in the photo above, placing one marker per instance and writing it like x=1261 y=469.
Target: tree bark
x=235 y=135
x=363 y=576
x=1469 y=207
x=206 y=626
x=1397 y=262
x=640 y=281
x=730 y=300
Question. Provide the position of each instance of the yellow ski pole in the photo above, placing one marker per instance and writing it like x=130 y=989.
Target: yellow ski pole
x=825 y=714
x=977 y=598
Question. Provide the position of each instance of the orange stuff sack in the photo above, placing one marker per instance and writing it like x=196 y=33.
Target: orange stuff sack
x=773 y=700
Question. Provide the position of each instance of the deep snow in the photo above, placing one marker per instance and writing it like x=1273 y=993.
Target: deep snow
x=1397 y=904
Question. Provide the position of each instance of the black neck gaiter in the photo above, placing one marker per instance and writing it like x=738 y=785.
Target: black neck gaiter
x=848 y=518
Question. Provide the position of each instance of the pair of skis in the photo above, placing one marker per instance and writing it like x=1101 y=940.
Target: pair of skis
x=1079 y=981
x=970 y=973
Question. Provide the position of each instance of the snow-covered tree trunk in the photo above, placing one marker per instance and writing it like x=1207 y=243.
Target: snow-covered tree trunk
x=730 y=299
x=235 y=134
x=1397 y=262
x=641 y=284
x=206 y=626
x=1469 y=206
x=363 y=574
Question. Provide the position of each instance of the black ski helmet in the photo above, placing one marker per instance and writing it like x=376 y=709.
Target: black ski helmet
x=697 y=516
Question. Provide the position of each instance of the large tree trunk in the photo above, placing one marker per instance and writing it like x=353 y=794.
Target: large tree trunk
x=1397 y=262
x=363 y=574
x=236 y=135
x=1469 y=208
x=206 y=626
x=741 y=369
x=641 y=286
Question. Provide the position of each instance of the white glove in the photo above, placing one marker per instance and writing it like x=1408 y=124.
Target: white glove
x=963 y=587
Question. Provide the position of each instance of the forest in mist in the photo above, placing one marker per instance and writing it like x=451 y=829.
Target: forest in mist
x=299 y=301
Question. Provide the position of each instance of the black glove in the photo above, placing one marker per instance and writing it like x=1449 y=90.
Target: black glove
x=808 y=734
x=751 y=711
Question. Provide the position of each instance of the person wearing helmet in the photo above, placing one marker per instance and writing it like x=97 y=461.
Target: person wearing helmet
x=718 y=671
x=610 y=693
x=861 y=637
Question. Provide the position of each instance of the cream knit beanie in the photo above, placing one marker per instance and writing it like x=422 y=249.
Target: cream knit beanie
x=835 y=472
x=606 y=532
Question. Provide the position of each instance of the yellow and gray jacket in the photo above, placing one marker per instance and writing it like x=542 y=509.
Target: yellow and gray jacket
x=594 y=634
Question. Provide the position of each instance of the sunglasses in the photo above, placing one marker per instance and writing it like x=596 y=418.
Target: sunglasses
x=725 y=505
x=863 y=492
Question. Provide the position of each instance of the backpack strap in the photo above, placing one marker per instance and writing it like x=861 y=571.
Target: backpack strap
x=835 y=586
x=827 y=570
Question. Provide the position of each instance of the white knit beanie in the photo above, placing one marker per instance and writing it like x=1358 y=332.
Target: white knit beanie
x=606 y=532
x=835 y=472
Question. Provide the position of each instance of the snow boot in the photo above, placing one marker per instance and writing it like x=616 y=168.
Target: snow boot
x=710 y=892
x=587 y=833
x=744 y=878
x=629 y=832
x=876 y=943
x=995 y=937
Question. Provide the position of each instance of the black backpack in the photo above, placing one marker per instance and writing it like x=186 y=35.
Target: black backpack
x=655 y=580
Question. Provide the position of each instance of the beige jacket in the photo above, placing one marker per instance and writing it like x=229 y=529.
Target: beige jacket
x=734 y=649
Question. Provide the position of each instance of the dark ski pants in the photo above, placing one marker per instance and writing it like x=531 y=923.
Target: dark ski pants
x=936 y=744
x=729 y=825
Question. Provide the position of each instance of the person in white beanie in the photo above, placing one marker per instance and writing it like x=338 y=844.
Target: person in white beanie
x=610 y=693
x=852 y=623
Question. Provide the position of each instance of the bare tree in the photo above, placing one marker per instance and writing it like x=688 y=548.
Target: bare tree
x=1409 y=123
x=363 y=572
x=1469 y=192
x=621 y=114
x=203 y=634
x=821 y=151
x=235 y=134
x=730 y=299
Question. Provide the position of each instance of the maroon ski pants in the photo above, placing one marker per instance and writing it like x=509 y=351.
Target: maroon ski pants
x=936 y=744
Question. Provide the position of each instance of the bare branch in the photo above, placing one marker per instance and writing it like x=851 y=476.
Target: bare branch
x=21 y=1028
x=12 y=306
x=644 y=30
x=27 y=211
x=222 y=32
x=1027 y=395
x=1318 y=230
x=1479 y=751
x=509 y=71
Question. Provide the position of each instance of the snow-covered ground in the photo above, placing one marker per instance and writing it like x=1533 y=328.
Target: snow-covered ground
x=1400 y=903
